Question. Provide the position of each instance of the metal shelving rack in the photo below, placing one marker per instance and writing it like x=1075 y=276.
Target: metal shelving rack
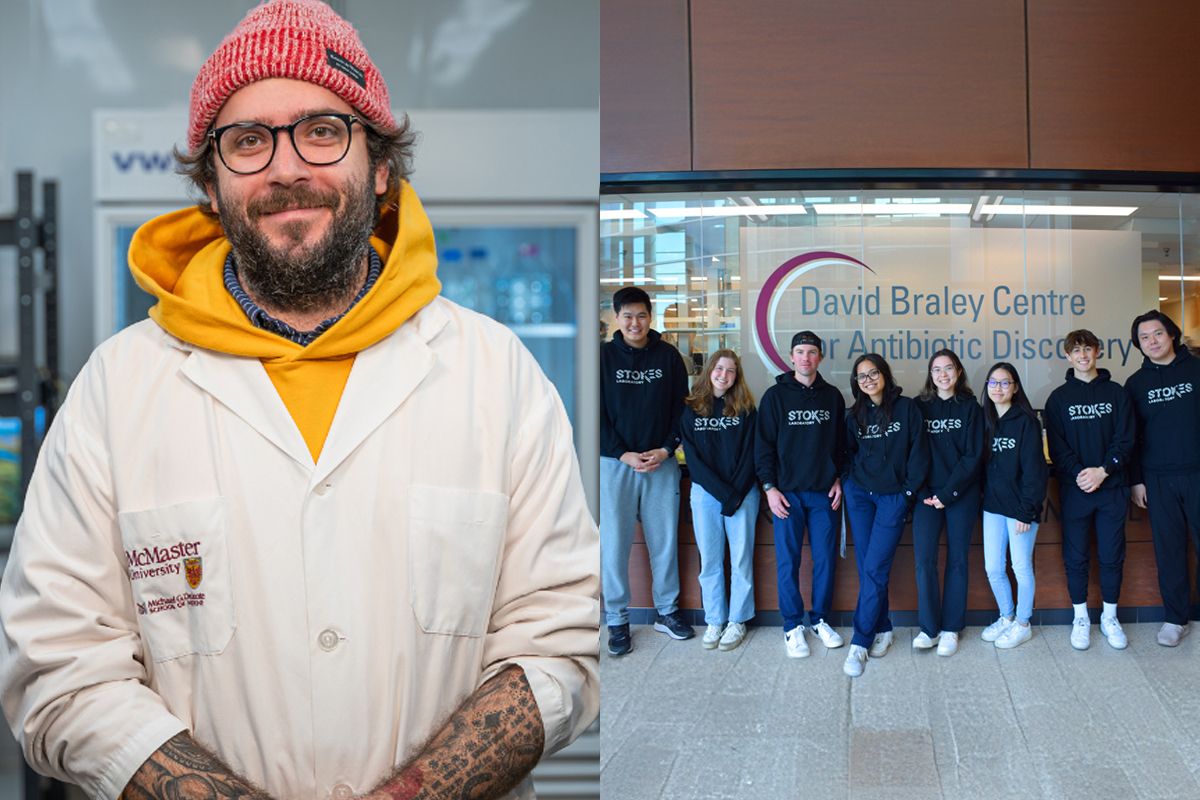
x=29 y=380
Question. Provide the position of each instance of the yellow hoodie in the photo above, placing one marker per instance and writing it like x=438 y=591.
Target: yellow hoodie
x=180 y=257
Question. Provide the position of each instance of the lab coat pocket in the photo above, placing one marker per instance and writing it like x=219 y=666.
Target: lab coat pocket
x=455 y=539
x=177 y=561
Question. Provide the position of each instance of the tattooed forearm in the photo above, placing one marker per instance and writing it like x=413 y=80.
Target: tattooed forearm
x=183 y=770
x=482 y=752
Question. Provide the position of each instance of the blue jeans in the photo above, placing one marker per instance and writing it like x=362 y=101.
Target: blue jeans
x=876 y=521
x=625 y=497
x=1000 y=534
x=811 y=510
x=712 y=530
x=943 y=609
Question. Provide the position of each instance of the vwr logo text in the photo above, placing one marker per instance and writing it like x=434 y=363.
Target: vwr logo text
x=146 y=162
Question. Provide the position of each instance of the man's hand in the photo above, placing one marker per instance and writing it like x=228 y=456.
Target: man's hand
x=183 y=769
x=1089 y=479
x=653 y=459
x=778 y=503
x=835 y=494
x=1138 y=495
x=1023 y=527
x=645 y=462
x=484 y=750
x=933 y=501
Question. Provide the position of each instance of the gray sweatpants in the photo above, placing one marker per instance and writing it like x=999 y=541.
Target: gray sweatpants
x=625 y=497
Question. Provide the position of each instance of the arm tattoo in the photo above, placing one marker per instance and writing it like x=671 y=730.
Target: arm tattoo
x=483 y=751
x=183 y=770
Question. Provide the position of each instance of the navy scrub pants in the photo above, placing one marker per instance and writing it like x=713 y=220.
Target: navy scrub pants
x=1106 y=510
x=876 y=521
x=1174 y=504
x=944 y=608
x=808 y=510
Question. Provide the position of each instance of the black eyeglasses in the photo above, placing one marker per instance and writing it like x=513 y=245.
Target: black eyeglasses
x=320 y=140
x=863 y=377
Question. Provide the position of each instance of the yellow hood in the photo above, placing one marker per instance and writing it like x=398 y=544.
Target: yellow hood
x=179 y=258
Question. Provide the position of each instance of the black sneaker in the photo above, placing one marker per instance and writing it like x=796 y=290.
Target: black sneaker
x=673 y=626
x=619 y=641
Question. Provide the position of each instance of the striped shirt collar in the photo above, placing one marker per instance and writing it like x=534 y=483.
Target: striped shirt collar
x=261 y=319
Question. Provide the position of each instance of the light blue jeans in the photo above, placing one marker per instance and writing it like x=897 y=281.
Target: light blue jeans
x=1000 y=534
x=625 y=498
x=712 y=531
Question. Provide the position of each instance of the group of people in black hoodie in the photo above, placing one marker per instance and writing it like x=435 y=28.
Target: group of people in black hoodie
x=942 y=458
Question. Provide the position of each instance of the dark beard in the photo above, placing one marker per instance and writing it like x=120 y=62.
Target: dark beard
x=324 y=275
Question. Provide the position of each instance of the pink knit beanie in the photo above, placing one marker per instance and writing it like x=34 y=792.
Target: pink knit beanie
x=300 y=39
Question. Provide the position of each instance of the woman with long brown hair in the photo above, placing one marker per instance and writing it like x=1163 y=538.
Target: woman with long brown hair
x=717 y=429
x=950 y=500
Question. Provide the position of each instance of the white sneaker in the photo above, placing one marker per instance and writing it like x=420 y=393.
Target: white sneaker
x=1081 y=633
x=1015 y=635
x=922 y=641
x=947 y=643
x=797 y=647
x=880 y=646
x=994 y=631
x=829 y=637
x=735 y=632
x=1113 y=632
x=856 y=661
x=712 y=635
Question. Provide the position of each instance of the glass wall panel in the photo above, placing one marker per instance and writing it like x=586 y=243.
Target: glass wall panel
x=994 y=274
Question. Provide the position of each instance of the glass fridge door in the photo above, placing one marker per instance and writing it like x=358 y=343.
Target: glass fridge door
x=533 y=268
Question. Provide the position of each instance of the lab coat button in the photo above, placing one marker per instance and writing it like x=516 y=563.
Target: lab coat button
x=342 y=792
x=328 y=640
x=323 y=488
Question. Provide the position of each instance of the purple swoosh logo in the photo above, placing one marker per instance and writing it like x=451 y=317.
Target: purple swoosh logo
x=761 y=328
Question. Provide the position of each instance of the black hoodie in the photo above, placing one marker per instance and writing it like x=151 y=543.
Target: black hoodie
x=1166 y=400
x=892 y=456
x=641 y=396
x=1090 y=424
x=798 y=440
x=1014 y=484
x=954 y=428
x=720 y=453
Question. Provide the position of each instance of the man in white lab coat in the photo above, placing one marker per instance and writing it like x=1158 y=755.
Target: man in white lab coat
x=310 y=531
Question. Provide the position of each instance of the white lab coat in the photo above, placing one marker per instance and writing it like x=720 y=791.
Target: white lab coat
x=182 y=563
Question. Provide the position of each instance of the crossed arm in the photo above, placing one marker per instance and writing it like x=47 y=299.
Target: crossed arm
x=484 y=750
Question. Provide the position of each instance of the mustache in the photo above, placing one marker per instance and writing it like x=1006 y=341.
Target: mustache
x=289 y=199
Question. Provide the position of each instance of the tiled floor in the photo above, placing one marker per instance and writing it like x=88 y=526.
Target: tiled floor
x=1040 y=721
